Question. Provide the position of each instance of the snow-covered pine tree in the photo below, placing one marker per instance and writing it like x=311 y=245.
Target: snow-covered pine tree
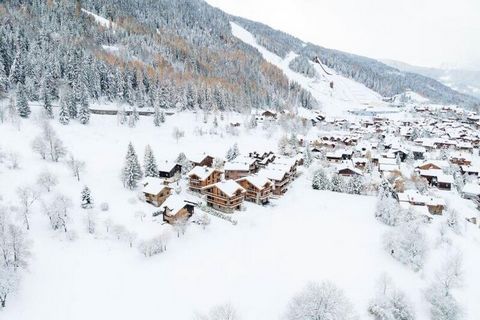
x=320 y=180
x=87 y=199
x=63 y=115
x=23 y=108
x=47 y=99
x=83 y=108
x=190 y=97
x=3 y=77
x=162 y=116
x=307 y=156
x=338 y=183
x=355 y=184
x=157 y=117
x=149 y=163
x=233 y=152
x=71 y=104
x=135 y=114
x=131 y=172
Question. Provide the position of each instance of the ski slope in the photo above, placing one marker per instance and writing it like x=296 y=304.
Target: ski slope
x=346 y=94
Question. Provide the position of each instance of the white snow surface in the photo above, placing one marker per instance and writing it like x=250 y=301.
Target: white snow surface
x=100 y=20
x=346 y=95
x=256 y=265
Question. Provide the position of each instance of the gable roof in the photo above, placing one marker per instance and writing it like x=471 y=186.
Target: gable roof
x=154 y=186
x=201 y=172
x=229 y=187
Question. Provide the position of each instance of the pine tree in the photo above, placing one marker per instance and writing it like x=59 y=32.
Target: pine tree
x=3 y=77
x=63 y=116
x=84 y=109
x=233 y=152
x=320 y=180
x=87 y=200
x=71 y=104
x=135 y=114
x=307 y=156
x=23 y=108
x=131 y=172
x=190 y=95
x=157 y=117
x=47 y=101
x=338 y=183
x=162 y=117
x=163 y=99
x=149 y=163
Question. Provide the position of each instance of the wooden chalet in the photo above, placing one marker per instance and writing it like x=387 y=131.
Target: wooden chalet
x=176 y=209
x=347 y=170
x=201 y=160
x=200 y=177
x=279 y=177
x=433 y=164
x=169 y=170
x=461 y=159
x=156 y=191
x=269 y=115
x=471 y=191
x=225 y=195
x=240 y=167
x=414 y=198
x=470 y=170
x=258 y=188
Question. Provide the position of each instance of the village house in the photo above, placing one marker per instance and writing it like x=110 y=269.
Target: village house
x=470 y=170
x=201 y=160
x=176 y=209
x=225 y=195
x=461 y=159
x=280 y=178
x=348 y=170
x=433 y=164
x=258 y=188
x=360 y=163
x=201 y=177
x=434 y=205
x=471 y=191
x=169 y=170
x=236 y=170
x=156 y=191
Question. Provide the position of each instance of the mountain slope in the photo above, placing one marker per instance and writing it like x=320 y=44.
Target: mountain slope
x=386 y=80
x=465 y=81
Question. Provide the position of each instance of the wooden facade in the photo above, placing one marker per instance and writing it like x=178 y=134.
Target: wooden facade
x=258 y=193
x=225 y=196
x=157 y=198
x=201 y=177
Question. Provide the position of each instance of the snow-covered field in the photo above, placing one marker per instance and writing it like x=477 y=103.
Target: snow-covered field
x=256 y=265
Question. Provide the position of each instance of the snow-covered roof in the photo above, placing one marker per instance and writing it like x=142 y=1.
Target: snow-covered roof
x=236 y=166
x=438 y=163
x=256 y=180
x=201 y=172
x=273 y=174
x=345 y=166
x=471 y=188
x=229 y=187
x=154 y=186
x=166 y=166
x=173 y=203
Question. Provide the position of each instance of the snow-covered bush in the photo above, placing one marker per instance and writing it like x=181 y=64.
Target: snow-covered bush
x=337 y=183
x=320 y=301
x=320 y=180
x=220 y=312
x=407 y=244
x=47 y=180
x=48 y=144
x=9 y=281
x=153 y=246
x=104 y=206
x=390 y=303
x=388 y=211
x=355 y=185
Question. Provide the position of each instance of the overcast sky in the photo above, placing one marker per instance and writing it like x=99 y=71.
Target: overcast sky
x=421 y=32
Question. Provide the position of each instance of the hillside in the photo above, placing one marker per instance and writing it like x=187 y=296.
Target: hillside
x=465 y=81
x=172 y=54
